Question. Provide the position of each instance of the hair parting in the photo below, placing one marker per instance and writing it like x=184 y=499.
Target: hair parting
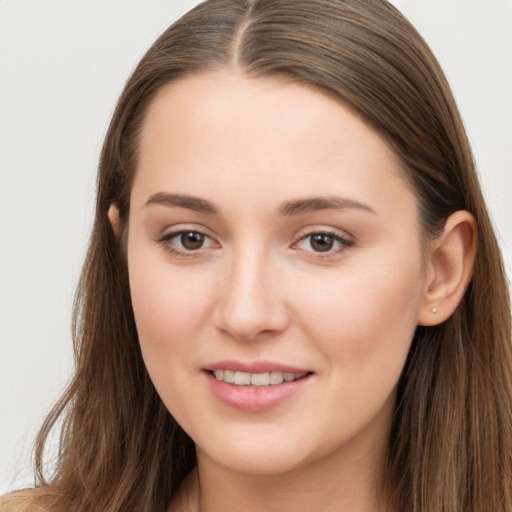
x=450 y=447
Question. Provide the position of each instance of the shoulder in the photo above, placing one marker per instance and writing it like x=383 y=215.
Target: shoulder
x=27 y=500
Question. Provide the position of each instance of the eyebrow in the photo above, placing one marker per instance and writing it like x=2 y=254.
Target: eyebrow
x=288 y=208
x=301 y=206
x=183 y=201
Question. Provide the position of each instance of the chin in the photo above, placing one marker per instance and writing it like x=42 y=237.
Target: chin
x=258 y=462
x=263 y=453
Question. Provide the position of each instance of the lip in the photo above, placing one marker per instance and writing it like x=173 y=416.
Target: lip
x=254 y=399
x=255 y=367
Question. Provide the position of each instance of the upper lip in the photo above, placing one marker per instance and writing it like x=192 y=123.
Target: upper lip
x=254 y=367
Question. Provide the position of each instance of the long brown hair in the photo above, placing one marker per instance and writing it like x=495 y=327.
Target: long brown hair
x=451 y=442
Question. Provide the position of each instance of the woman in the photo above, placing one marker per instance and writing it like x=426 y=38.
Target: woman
x=293 y=296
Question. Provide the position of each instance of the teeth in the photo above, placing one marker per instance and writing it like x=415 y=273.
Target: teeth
x=260 y=379
x=256 y=379
x=242 y=378
x=229 y=376
x=275 y=378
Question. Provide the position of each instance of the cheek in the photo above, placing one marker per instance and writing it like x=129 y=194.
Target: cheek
x=364 y=318
x=170 y=309
x=170 y=306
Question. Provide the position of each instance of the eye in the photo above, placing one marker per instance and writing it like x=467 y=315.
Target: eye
x=323 y=242
x=186 y=241
x=191 y=241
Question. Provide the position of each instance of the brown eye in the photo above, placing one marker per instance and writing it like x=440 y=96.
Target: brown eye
x=321 y=242
x=192 y=240
x=188 y=243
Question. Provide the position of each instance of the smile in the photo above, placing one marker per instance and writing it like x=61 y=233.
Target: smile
x=256 y=379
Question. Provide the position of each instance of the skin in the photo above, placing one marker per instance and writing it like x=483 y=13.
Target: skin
x=258 y=289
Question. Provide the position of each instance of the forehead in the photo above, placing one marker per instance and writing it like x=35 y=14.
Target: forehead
x=224 y=132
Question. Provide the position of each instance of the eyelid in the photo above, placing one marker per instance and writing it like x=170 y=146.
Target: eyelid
x=175 y=231
x=344 y=238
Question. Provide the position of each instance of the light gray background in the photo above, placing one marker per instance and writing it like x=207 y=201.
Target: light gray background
x=62 y=65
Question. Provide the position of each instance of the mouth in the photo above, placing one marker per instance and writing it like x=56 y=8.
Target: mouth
x=257 y=386
x=239 y=378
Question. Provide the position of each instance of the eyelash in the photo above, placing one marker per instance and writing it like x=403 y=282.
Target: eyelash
x=166 y=239
x=345 y=243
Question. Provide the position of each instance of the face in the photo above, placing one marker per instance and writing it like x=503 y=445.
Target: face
x=276 y=271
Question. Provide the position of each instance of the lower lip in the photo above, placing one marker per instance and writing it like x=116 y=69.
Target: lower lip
x=254 y=398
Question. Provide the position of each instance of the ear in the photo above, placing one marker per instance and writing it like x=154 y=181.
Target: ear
x=449 y=268
x=113 y=217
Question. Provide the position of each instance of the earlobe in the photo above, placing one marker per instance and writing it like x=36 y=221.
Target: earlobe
x=449 y=268
x=113 y=217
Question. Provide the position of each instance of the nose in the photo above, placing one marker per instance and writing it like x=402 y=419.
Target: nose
x=251 y=298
